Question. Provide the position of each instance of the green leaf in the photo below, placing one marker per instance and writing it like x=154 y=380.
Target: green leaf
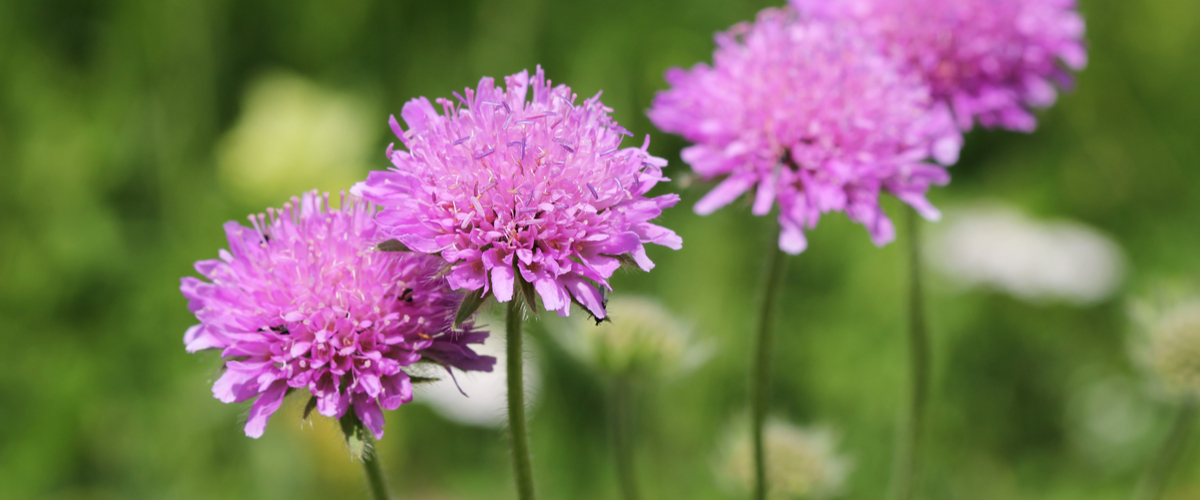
x=470 y=303
x=422 y=380
x=626 y=260
x=392 y=245
x=527 y=293
x=308 y=408
x=355 y=434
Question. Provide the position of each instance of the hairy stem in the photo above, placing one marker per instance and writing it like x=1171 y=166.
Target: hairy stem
x=906 y=468
x=760 y=369
x=1154 y=481
x=622 y=418
x=516 y=403
x=362 y=447
x=374 y=475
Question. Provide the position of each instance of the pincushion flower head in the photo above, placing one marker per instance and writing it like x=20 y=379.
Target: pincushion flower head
x=641 y=339
x=814 y=118
x=1169 y=345
x=302 y=300
x=804 y=462
x=504 y=188
x=990 y=60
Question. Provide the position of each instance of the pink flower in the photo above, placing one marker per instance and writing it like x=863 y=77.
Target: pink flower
x=990 y=60
x=815 y=119
x=498 y=185
x=303 y=301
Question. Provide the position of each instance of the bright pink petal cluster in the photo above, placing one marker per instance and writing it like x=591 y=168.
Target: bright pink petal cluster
x=816 y=118
x=301 y=300
x=991 y=60
x=499 y=185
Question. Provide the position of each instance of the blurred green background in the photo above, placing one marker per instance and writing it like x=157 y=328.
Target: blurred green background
x=131 y=129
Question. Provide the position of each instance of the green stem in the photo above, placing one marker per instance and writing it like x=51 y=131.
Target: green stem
x=362 y=446
x=516 y=403
x=622 y=434
x=1154 y=481
x=760 y=370
x=374 y=475
x=906 y=468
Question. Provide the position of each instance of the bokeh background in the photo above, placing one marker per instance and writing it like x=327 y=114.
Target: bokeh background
x=130 y=130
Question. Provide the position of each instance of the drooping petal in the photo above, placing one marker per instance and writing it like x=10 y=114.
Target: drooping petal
x=397 y=390
x=725 y=192
x=264 y=407
x=586 y=294
x=368 y=412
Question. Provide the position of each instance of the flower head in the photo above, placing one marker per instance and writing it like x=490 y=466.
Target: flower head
x=1170 y=346
x=990 y=60
x=641 y=338
x=815 y=117
x=801 y=463
x=506 y=188
x=301 y=300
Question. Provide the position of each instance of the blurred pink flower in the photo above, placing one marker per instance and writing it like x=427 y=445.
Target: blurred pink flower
x=497 y=183
x=303 y=301
x=815 y=118
x=990 y=60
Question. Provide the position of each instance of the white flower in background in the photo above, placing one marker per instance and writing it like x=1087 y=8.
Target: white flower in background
x=293 y=136
x=801 y=463
x=999 y=247
x=640 y=338
x=1169 y=342
x=1175 y=347
x=486 y=401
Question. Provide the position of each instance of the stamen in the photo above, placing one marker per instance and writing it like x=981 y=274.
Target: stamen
x=566 y=145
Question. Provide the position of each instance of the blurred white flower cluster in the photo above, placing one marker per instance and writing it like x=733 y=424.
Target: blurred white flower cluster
x=802 y=463
x=998 y=247
x=1168 y=344
x=293 y=136
x=639 y=338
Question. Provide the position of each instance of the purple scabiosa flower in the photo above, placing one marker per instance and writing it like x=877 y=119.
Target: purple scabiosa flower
x=301 y=300
x=815 y=118
x=500 y=185
x=990 y=60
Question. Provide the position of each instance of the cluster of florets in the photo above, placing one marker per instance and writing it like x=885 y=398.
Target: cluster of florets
x=507 y=189
x=302 y=300
x=1174 y=346
x=816 y=118
x=990 y=60
x=801 y=462
x=641 y=339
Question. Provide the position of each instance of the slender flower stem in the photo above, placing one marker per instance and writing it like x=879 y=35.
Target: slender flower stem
x=374 y=475
x=362 y=446
x=1154 y=481
x=760 y=370
x=516 y=403
x=622 y=419
x=906 y=468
